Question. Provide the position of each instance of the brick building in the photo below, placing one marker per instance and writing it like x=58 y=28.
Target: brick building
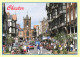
x=71 y=21
x=21 y=35
x=28 y=32
x=35 y=30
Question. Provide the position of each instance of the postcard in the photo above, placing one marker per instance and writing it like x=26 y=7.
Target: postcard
x=40 y=28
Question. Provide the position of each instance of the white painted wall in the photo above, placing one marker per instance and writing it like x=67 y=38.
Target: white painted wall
x=10 y=30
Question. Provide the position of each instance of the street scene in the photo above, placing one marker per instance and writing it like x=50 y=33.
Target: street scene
x=39 y=28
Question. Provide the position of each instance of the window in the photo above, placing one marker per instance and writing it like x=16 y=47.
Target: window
x=13 y=30
x=72 y=15
x=76 y=12
x=10 y=30
x=47 y=4
x=27 y=33
x=64 y=7
x=65 y=17
x=68 y=17
x=54 y=13
x=8 y=23
x=67 y=5
x=27 y=23
x=50 y=16
x=20 y=33
x=13 y=24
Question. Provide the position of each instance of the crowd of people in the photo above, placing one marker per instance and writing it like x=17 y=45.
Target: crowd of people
x=25 y=49
x=58 y=46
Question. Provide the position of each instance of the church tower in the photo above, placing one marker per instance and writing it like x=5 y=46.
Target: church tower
x=27 y=28
x=27 y=22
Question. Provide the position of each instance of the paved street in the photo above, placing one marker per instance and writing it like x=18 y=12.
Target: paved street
x=34 y=51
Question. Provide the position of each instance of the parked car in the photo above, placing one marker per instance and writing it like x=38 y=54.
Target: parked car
x=31 y=46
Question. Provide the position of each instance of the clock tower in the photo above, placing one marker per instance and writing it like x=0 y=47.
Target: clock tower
x=28 y=32
x=27 y=22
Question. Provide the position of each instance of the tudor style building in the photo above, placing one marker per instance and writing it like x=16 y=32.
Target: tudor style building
x=12 y=24
x=56 y=13
x=63 y=17
x=28 y=32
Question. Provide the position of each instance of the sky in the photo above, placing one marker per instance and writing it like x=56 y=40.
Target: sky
x=37 y=11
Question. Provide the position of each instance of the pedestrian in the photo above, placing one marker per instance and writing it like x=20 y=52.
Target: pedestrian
x=4 y=47
x=59 y=47
x=24 y=49
x=15 y=50
x=38 y=48
x=22 y=52
x=27 y=48
x=41 y=47
x=10 y=48
x=12 y=52
x=68 y=48
x=54 y=46
x=65 y=45
x=71 y=47
x=44 y=44
x=51 y=44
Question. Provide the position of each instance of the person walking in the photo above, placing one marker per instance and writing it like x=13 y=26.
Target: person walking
x=22 y=51
x=24 y=48
x=4 y=47
x=59 y=46
x=68 y=48
x=38 y=48
x=41 y=47
x=71 y=47
x=12 y=52
x=28 y=49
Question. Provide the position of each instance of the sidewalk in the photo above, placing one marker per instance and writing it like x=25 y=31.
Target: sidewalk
x=72 y=52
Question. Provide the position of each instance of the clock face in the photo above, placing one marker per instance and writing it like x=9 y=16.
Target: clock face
x=27 y=25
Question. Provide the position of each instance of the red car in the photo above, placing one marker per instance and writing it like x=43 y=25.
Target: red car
x=31 y=47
